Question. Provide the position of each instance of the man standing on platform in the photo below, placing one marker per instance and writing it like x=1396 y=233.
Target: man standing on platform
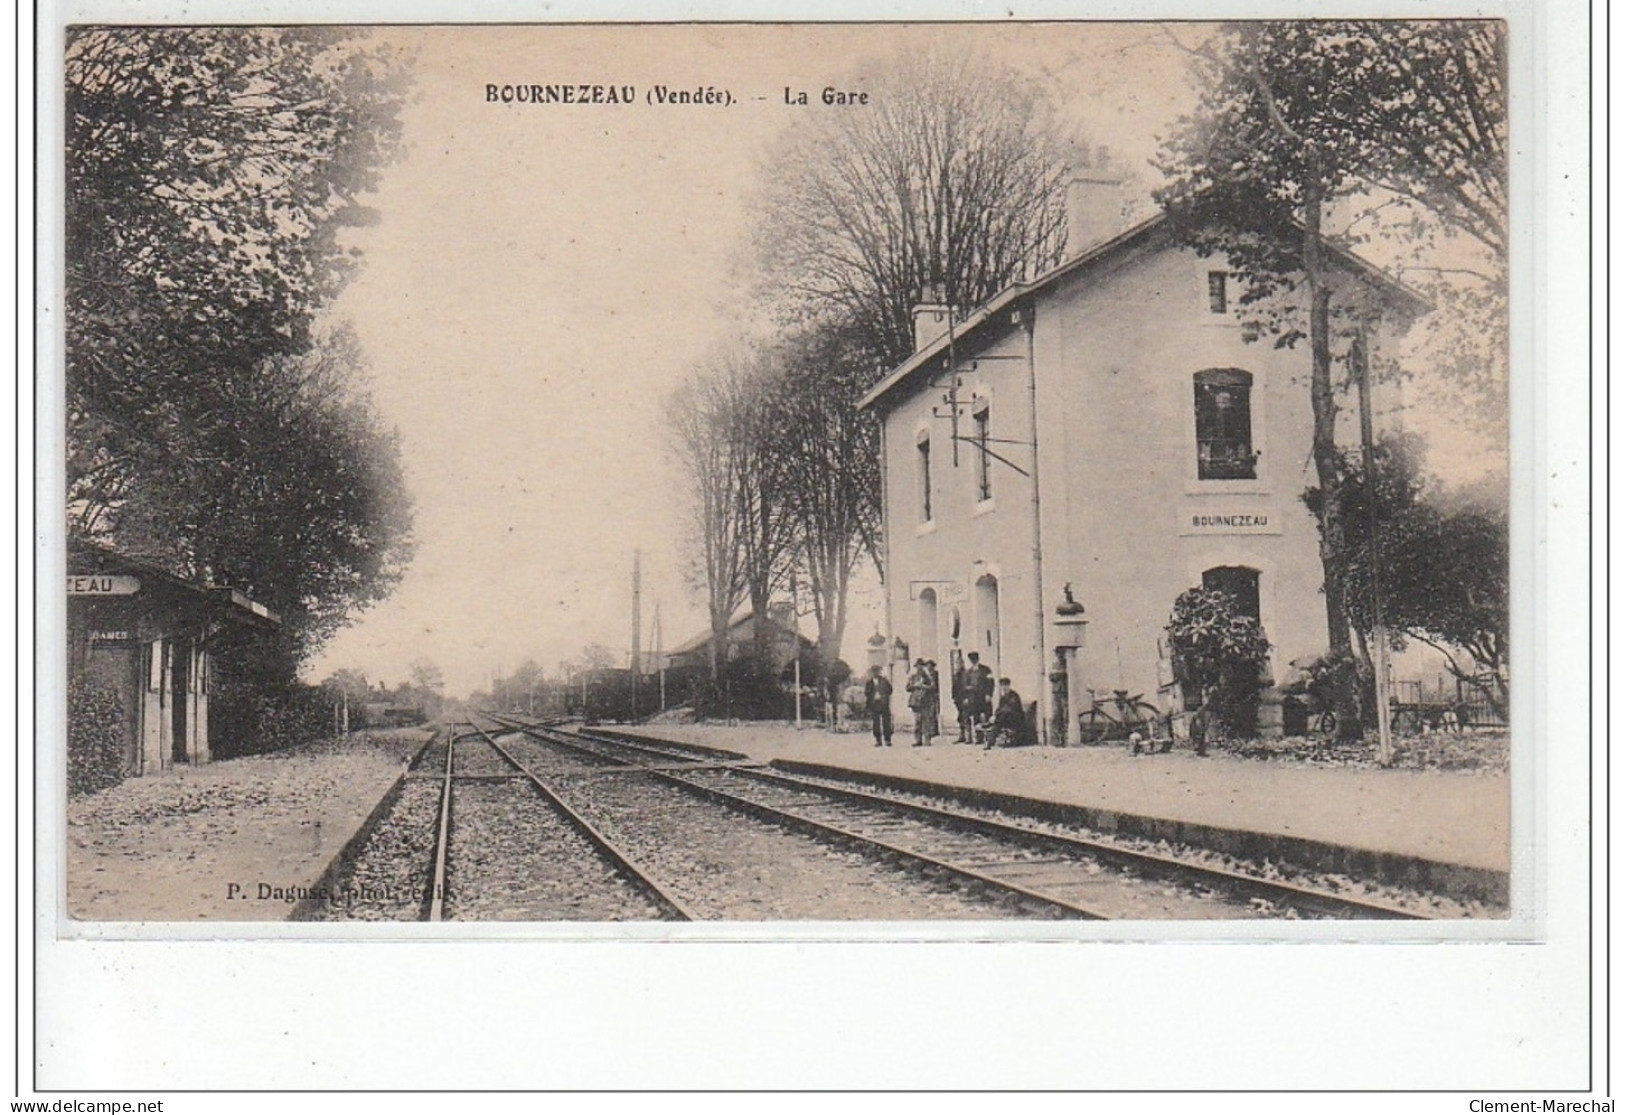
x=961 y=691
x=877 y=700
x=980 y=702
x=919 y=696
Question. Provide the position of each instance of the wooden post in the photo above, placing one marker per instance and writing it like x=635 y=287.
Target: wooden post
x=1379 y=633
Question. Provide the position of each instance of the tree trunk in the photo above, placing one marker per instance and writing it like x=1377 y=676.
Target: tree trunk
x=1323 y=402
x=762 y=635
x=719 y=643
x=832 y=626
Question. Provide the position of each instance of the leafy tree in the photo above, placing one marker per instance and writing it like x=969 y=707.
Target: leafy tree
x=1297 y=116
x=1441 y=564
x=527 y=685
x=1450 y=590
x=298 y=499
x=425 y=676
x=209 y=175
x=1220 y=650
x=209 y=170
x=947 y=180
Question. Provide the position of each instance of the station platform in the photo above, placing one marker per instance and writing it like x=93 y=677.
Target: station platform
x=1415 y=824
x=225 y=841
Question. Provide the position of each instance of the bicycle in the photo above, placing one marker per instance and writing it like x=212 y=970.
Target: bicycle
x=1120 y=717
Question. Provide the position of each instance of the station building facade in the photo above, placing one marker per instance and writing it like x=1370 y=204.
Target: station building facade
x=1083 y=448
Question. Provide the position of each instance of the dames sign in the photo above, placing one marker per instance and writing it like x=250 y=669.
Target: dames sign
x=102 y=584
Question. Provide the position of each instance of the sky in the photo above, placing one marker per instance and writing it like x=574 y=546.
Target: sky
x=542 y=277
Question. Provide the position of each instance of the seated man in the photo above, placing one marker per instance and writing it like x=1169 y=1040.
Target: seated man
x=1009 y=718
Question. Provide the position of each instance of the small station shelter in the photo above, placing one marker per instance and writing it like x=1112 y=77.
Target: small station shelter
x=146 y=635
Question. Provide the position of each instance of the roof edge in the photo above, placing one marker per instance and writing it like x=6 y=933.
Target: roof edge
x=999 y=301
x=1415 y=302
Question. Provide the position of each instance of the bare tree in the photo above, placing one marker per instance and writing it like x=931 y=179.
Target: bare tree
x=760 y=425
x=427 y=685
x=829 y=464
x=704 y=455
x=726 y=419
x=597 y=656
x=948 y=179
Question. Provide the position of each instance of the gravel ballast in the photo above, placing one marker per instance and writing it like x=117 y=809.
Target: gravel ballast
x=729 y=867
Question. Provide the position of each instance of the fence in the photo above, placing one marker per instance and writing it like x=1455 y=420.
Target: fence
x=1454 y=693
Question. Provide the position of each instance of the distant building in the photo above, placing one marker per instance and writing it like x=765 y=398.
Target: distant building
x=1104 y=426
x=695 y=653
x=146 y=636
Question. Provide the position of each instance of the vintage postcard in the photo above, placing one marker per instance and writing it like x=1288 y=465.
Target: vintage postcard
x=1045 y=480
x=811 y=473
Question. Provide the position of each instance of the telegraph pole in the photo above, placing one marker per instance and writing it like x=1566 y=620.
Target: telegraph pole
x=660 y=656
x=637 y=627
x=795 y=628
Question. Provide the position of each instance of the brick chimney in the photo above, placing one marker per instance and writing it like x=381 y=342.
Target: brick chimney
x=1095 y=209
x=930 y=322
x=930 y=316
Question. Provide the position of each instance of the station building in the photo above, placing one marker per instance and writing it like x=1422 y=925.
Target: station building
x=1069 y=457
x=147 y=636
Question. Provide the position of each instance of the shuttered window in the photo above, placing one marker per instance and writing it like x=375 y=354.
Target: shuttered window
x=1224 y=425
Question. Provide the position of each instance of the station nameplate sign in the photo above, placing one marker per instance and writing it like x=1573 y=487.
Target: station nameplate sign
x=102 y=584
x=1243 y=521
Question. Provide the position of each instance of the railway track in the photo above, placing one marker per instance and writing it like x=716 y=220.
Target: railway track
x=474 y=834
x=1037 y=872
x=509 y=848
x=753 y=868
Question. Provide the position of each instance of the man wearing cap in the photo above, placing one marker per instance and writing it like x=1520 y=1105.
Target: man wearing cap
x=877 y=700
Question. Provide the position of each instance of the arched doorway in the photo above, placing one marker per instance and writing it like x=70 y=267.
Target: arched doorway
x=926 y=639
x=925 y=635
x=986 y=634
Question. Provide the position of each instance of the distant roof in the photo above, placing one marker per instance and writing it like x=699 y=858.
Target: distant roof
x=1085 y=259
x=689 y=646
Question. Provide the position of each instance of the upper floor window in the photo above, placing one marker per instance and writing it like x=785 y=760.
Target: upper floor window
x=923 y=447
x=984 y=462
x=1224 y=425
x=1218 y=292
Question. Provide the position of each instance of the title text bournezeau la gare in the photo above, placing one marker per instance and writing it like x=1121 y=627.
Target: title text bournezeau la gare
x=589 y=93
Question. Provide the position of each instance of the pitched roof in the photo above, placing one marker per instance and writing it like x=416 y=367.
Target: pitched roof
x=689 y=646
x=85 y=556
x=1085 y=260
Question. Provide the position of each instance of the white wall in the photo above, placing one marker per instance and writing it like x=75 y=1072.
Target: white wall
x=967 y=539
x=1125 y=518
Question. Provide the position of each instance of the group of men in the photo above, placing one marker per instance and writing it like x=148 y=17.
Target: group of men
x=981 y=719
